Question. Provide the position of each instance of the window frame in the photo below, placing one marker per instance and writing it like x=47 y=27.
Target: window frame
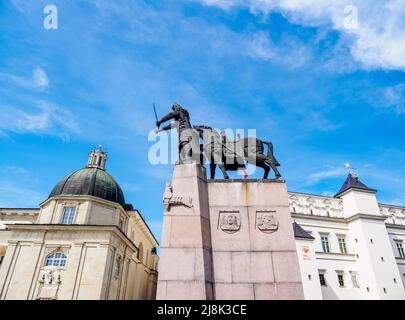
x=70 y=218
x=342 y=244
x=400 y=248
x=60 y=257
x=326 y=236
x=341 y=278
x=355 y=279
x=322 y=278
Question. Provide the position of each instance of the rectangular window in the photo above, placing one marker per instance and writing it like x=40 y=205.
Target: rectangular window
x=400 y=248
x=342 y=245
x=341 y=280
x=355 y=281
x=68 y=215
x=322 y=279
x=325 y=243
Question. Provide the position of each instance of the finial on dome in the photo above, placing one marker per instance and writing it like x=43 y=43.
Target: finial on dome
x=97 y=158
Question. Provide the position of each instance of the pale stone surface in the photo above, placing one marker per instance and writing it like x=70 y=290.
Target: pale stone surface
x=289 y=291
x=222 y=266
x=262 y=267
x=265 y=291
x=284 y=270
x=182 y=290
x=234 y=291
x=183 y=262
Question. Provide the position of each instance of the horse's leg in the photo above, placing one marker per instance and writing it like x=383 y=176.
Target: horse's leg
x=212 y=169
x=217 y=159
x=222 y=167
x=270 y=153
x=274 y=167
x=265 y=167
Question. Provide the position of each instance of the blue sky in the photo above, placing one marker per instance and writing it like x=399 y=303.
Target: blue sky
x=323 y=93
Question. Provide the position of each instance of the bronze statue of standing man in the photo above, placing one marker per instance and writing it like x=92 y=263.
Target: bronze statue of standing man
x=189 y=147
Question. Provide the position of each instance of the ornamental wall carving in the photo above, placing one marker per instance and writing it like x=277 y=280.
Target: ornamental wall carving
x=267 y=221
x=229 y=221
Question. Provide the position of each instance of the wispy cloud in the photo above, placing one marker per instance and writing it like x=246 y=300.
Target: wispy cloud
x=39 y=118
x=377 y=42
x=39 y=79
x=14 y=195
x=289 y=52
x=319 y=176
x=392 y=97
x=14 y=170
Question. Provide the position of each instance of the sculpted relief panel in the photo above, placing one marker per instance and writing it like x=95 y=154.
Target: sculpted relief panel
x=229 y=221
x=49 y=280
x=170 y=199
x=266 y=221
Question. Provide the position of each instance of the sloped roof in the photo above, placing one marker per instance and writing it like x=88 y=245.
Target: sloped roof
x=299 y=232
x=352 y=182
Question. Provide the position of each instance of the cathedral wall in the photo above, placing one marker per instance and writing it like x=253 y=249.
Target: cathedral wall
x=102 y=215
x=100 y=265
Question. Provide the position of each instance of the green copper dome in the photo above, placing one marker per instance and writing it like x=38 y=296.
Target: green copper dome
x=92 y=181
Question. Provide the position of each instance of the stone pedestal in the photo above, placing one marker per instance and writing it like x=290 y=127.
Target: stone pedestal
x=185 y=264
x=227 y=239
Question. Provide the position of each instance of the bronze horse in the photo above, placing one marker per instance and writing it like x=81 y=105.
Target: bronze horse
x=230 y=155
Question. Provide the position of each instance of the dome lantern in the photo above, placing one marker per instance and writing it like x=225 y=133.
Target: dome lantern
x=97 y=158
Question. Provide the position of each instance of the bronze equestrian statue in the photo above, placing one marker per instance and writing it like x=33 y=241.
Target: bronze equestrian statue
x=217 y=149
x=230 y=155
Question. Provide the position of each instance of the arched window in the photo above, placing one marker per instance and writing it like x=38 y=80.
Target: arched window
x=57 y=259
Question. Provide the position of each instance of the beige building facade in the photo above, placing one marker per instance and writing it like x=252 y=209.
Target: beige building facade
x=83 y=243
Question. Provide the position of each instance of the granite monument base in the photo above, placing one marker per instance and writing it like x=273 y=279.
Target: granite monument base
x=227 y=239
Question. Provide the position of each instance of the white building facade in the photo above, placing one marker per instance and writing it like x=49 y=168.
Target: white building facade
x=352 y=246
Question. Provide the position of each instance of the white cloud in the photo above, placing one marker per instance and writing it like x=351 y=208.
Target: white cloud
x=394 y=97
x=42 y=118
x=325 y=174
x=290 y=52
x=377 y=42
x=39 y=79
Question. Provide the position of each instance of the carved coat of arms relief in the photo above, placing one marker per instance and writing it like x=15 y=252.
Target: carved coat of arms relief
x=229 y=221
x=267 y=221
